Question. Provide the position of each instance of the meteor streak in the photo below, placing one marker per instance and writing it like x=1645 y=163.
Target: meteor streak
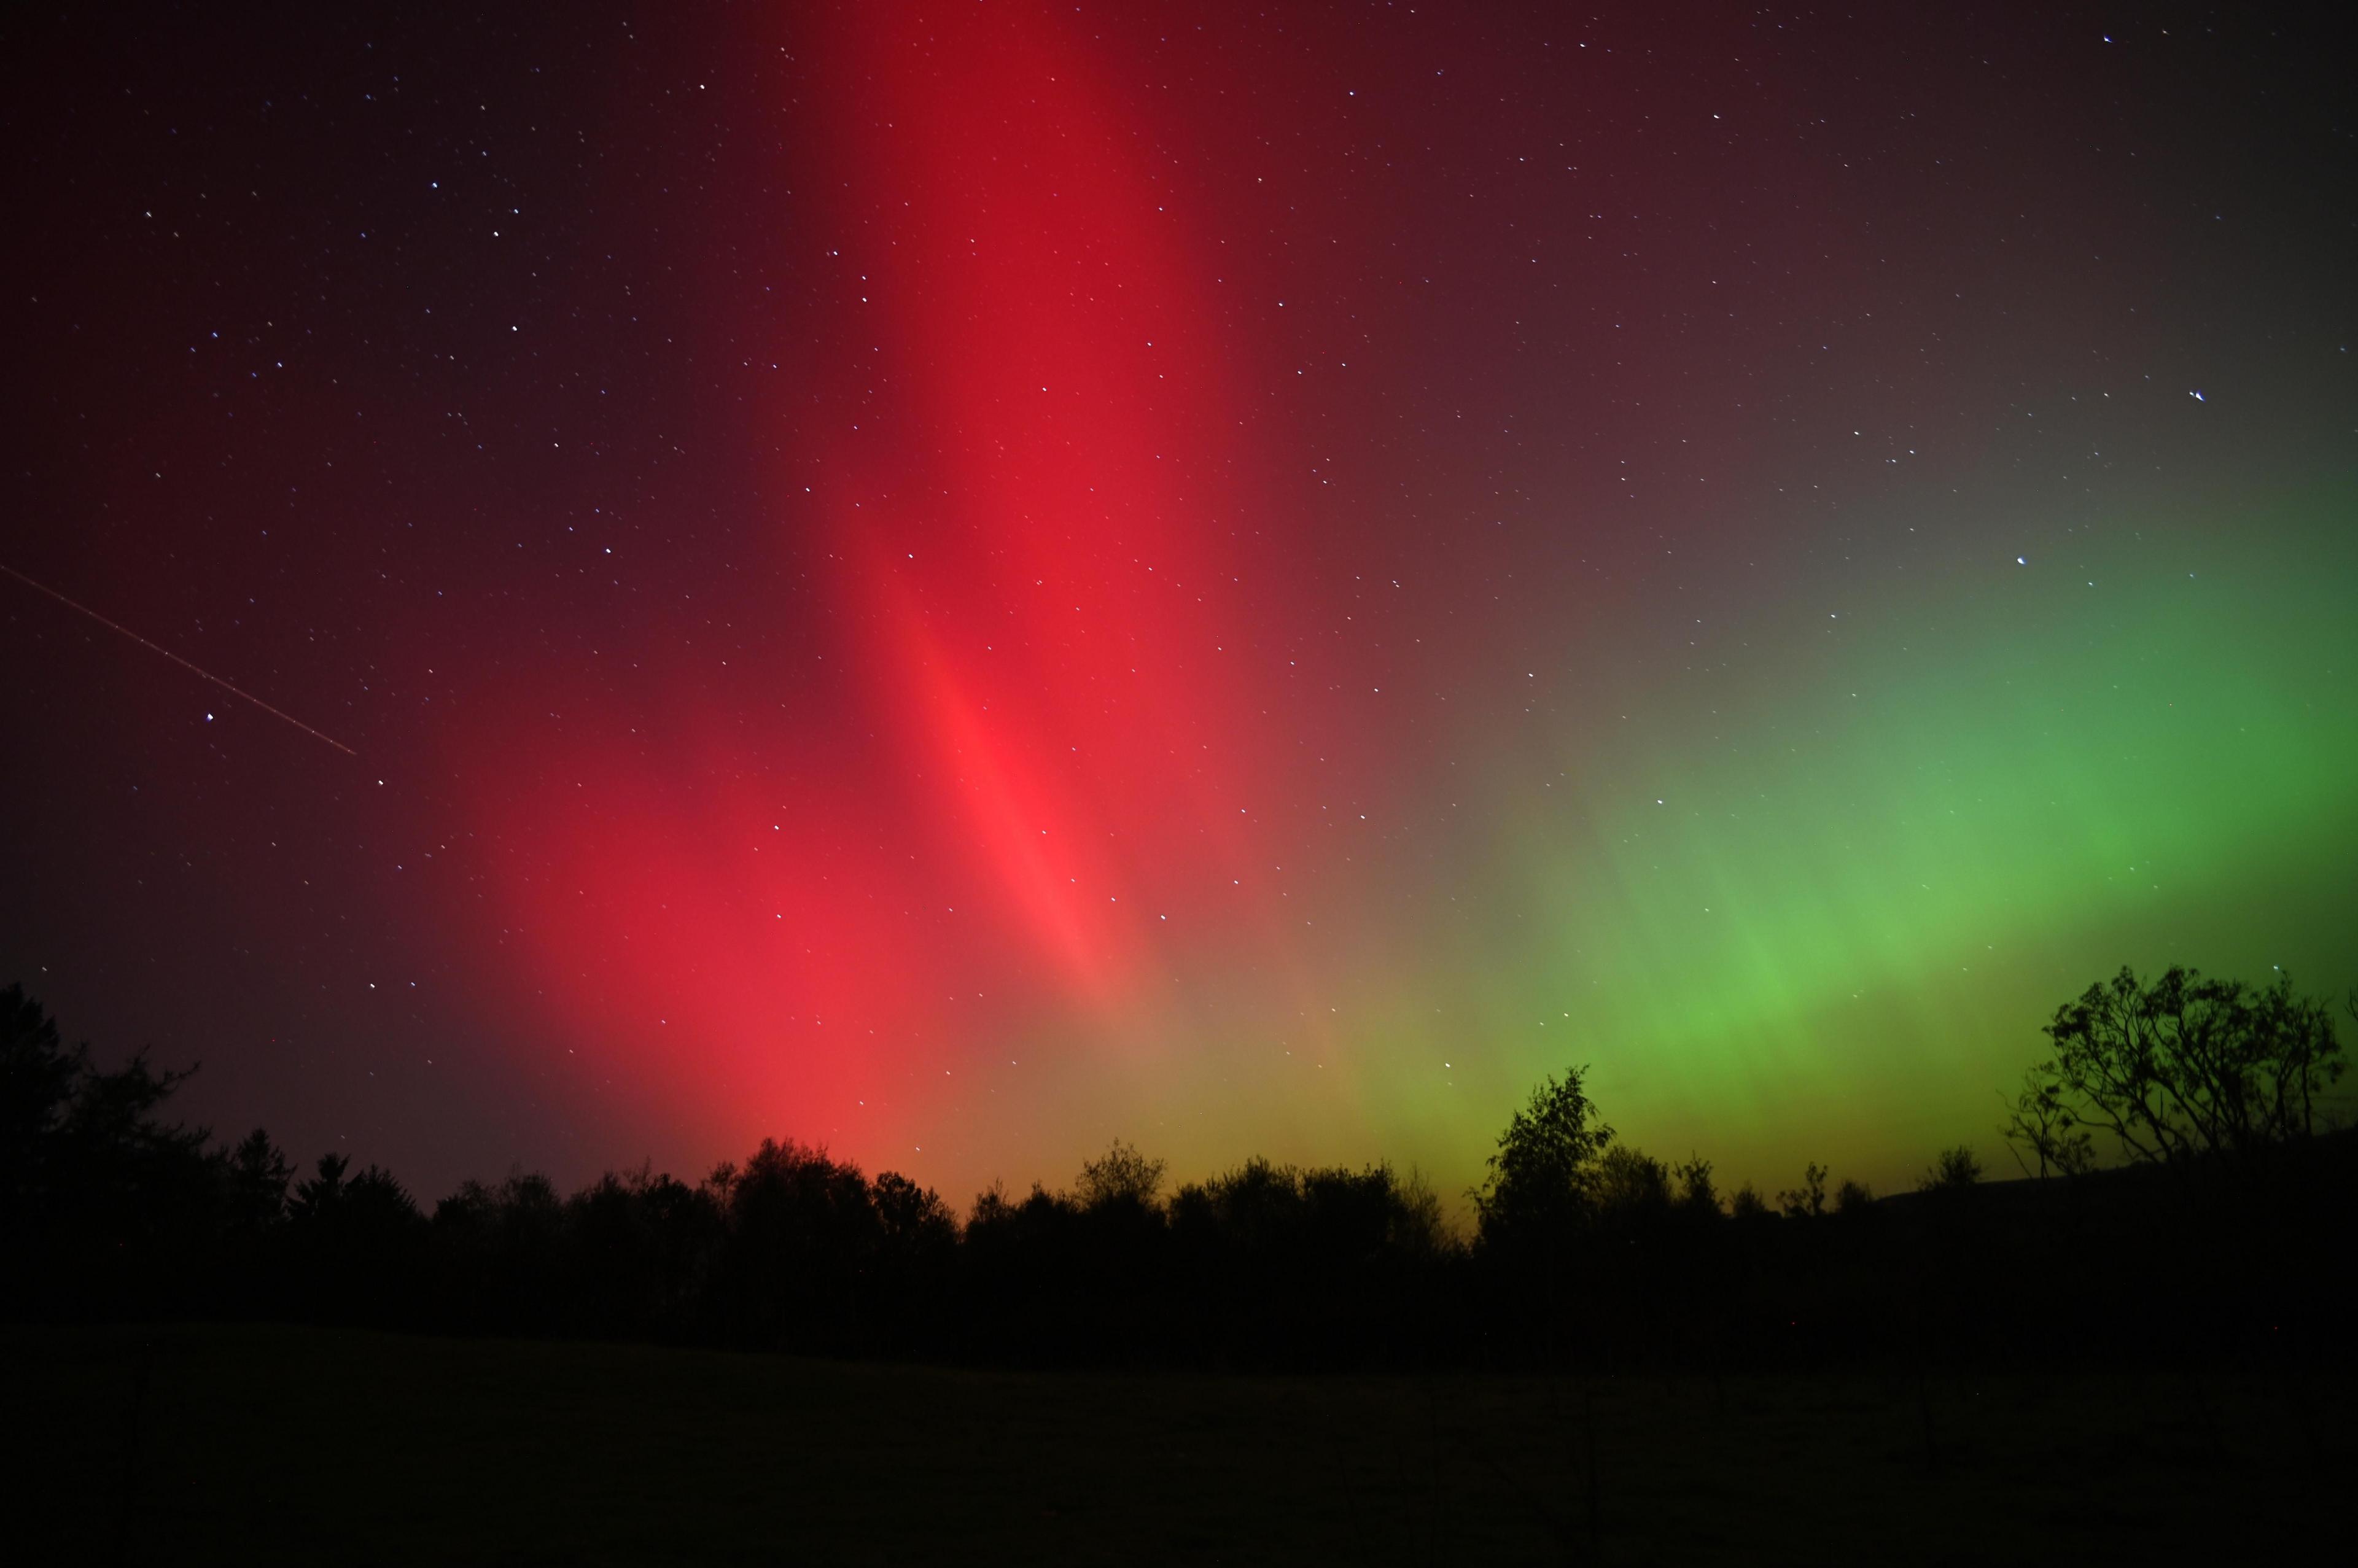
x=233 y=691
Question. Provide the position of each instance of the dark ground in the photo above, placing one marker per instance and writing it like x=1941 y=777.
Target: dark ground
x=218 y=1443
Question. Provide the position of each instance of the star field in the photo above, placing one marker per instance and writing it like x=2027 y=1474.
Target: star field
x=958 y=581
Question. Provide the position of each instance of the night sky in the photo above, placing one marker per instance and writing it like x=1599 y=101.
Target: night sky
x=956 y=580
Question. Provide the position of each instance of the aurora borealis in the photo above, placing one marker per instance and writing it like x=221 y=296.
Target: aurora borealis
x=959 y=580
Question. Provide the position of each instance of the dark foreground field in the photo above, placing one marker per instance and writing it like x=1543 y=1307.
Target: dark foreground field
x=193 y=1445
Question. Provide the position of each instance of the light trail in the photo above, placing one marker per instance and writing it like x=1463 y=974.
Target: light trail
x=194 y=669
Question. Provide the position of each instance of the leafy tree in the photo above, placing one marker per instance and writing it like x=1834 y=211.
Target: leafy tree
x=502 y=1250
x=802 y=1230
x=1697 y=1194
x=255 y=1174
x=357 y=1241
x=640 y=1250
x=2180 y=1069
x=38 y=1073
x=1418 y=1229
x=1545 y=1176
x=1632 y=1184
x=992 y=1206
x=362 y=1206
x=1114 y=1259
x=323 y=1193
x=1854 y=1198
x=1748 y=1206
x=1120 y=1177
x=1251 y=1208
x=910 y=1215
x=101 y=1201
x=1807 y=1201
x=1954 y=1171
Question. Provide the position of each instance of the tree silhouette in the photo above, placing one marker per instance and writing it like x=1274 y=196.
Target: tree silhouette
x=1698 y=1195
x=2180 y=1069
x=501 y=1249
x=1955 y=1170
x=912 y=1216
x=255 y=1174
x=100 y=1200
x=801 y=1234
x=1632 y=1186
x=1418 y=1229
x=1589 y=1252
x=252 y=1180
x=1807 y=1201
x=1120 y=1176
x=38 y=1073
x=1543 y=1177
x=358 y=1239
x=639 y=1253
x=2039 y=1124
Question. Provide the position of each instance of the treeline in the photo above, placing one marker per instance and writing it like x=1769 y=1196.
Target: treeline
x=2220 y=1232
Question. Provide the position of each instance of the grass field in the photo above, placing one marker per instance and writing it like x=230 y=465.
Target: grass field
x=245 y=1443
